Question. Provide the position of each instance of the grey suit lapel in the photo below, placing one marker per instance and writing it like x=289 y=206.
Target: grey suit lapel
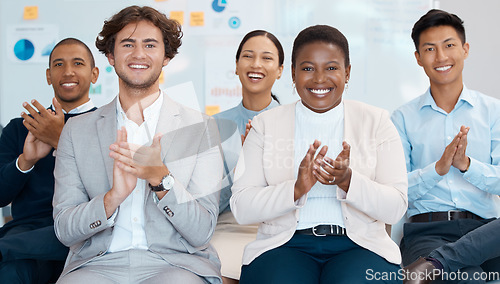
x=168 y=123
x=106 y=132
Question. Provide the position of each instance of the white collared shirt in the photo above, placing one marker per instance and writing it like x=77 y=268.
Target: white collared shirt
x=128 y=232
x=82 y=108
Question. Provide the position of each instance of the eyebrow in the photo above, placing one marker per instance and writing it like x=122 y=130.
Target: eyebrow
x=444 y=41
x=133 y=40
x=329 y=62
x=61 y=60
x=249 y=50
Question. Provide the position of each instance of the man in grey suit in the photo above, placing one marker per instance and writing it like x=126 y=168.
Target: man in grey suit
x=137 y=181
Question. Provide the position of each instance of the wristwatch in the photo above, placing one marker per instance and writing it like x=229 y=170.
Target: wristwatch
x=167 y=183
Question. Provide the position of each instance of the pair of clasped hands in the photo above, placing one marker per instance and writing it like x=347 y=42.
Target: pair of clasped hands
x=132 y=161
x=44 y=128
x=320 y=168
x=454 y=154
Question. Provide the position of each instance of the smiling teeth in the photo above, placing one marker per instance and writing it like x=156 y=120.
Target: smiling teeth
x=138 y=66
x=320 y=91
x=444 y=68
x=255 y=75
x=69 y=84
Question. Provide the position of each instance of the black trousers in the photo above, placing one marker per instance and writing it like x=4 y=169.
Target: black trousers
x=439 y=239
x=30 y=254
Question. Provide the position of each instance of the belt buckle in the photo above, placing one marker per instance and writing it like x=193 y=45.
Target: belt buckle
x=452 y=211
x=314 y=232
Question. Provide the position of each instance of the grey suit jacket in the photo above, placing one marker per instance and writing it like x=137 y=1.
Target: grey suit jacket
x=179 y=227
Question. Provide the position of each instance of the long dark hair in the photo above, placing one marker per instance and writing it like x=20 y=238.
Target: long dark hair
x=277 y=43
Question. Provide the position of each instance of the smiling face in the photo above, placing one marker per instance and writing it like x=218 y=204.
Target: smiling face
x=320 y=75
x=70 y=75
x=258 y=66
x=442 y=54
x=139 y=56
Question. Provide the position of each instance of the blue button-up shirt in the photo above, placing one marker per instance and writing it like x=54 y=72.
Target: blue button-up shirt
x=232 y=124
x=426 y=130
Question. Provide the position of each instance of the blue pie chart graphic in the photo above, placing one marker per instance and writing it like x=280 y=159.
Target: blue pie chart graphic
x=24 y=49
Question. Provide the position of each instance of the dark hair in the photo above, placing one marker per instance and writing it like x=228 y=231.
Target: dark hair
x=435 y=18
x=70 y=40
x=321 y=33
x=270 y=36
x=170 y=29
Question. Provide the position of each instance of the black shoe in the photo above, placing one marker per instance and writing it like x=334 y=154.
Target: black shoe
x=421 y=271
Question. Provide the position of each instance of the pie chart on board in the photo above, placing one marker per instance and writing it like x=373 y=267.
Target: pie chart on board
x=24 y=49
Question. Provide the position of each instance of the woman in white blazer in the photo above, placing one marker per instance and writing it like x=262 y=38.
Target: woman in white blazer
x=321 y=207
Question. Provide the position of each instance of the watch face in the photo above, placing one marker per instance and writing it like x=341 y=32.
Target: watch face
x=168 y=182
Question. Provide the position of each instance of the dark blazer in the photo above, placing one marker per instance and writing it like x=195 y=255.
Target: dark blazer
x=30 y=234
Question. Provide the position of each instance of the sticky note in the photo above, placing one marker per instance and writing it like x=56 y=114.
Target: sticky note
x=212 y=109
x=197 y=19
x=160 y=0
x=178 y=16
x=30 y=12
x=162 y=78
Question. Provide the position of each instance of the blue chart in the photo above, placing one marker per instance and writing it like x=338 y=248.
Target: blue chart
x=24 y=49
x=219 y=5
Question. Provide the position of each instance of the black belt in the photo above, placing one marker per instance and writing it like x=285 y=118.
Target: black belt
x=323 y=230
x=444 y=216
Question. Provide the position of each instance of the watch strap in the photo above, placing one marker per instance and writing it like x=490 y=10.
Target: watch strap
x=160 y=186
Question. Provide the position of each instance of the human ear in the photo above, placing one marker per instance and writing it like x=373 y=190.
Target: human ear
x=417 y=56
x=95 y=74
x=111 y=59
x=280 y=72
x=47 y=74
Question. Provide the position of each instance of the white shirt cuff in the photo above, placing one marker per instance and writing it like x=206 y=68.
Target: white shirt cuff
x=24 y=172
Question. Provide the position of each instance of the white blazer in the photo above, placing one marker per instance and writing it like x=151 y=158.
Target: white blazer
x=263 y=191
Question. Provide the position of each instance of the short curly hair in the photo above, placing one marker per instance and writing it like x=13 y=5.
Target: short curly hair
x=321 y=33
x=170 y=29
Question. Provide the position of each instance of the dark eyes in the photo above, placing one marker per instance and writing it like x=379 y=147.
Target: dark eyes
x=331 y=68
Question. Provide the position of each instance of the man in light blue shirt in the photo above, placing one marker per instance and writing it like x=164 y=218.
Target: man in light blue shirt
x=451 y=137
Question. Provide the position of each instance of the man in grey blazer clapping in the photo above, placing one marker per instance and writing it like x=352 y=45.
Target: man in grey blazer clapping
x=137 y=182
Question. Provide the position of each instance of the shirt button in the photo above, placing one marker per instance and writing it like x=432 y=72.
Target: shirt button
x=135 y=219
x=449 y=137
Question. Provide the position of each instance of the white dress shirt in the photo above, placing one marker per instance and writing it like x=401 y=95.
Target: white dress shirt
x=128 y=232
